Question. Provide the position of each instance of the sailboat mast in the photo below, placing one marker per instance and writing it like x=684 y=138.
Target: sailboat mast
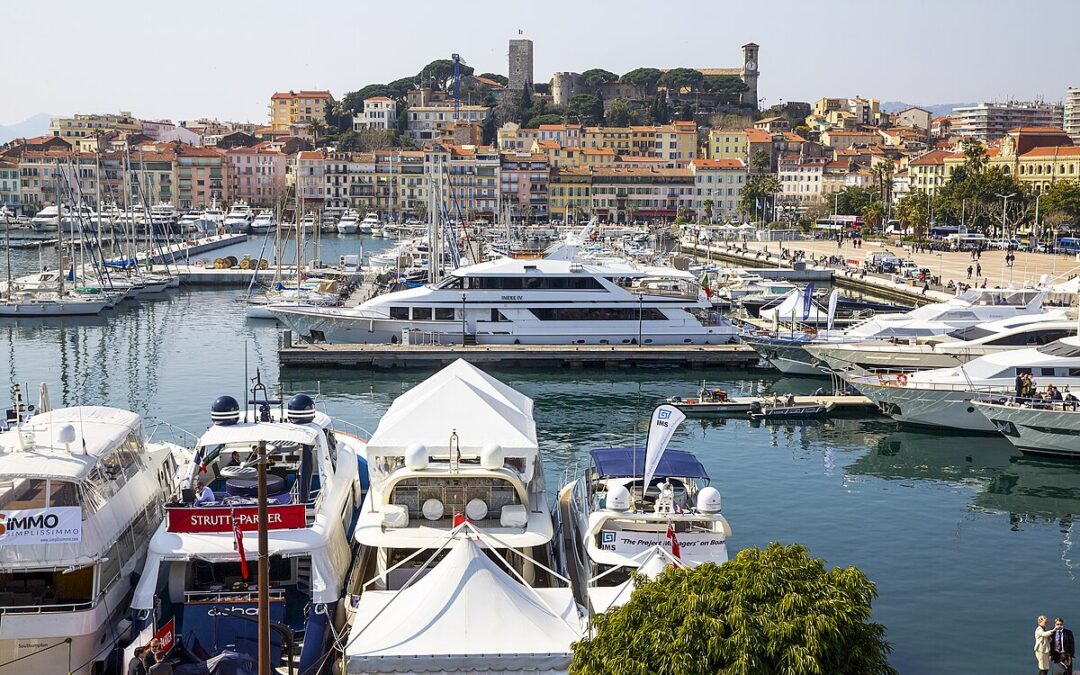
x=59 y=228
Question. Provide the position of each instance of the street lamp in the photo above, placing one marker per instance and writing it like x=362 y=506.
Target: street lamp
x=1004 y=205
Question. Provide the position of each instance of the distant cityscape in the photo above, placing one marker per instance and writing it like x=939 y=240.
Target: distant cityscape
x=647 y=145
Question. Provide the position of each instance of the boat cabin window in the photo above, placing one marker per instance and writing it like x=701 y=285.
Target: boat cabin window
x=1031 y=338
x=534 y=283
x=958 y=315
x=291 y=479
x=497 y=316
x=218 y=577
x=450 y=282
x=970 y=333
x=679 y=486
x=33 y=591
x=597 y=314
x=399 y=313
x=444 y=314
x=36 y=493
x=1061 y=348
x=421 y=313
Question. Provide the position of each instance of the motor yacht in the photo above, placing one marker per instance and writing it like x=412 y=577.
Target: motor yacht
x=81 y=490
x=613 y=523
x=190 y=223
x=349 y=223
x=163 y=218
x=787 y=351
x=239 y=217
x=949 y=349
x=264 y=222
x=942 y=397
x=200 y=566
x=311 y=292
x=510 y=301
x=1036 y=428
x=76 y=219
x=370 y=224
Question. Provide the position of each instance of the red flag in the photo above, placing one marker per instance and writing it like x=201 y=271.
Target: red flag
x=459 y=518
x=675 y=551
x=239 y=538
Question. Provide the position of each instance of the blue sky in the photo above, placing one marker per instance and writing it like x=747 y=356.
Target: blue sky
x=224 y=58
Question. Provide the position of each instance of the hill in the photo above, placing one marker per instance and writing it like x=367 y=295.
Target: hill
x=38 y=125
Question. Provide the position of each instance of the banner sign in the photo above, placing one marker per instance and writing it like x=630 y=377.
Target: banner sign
x=665 y=420
x=25 y=527
x=198 y=519
x=695 y=547
x=167 y=635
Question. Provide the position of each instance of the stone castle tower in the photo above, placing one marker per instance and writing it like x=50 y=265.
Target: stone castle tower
x=750 y=73
x=521 y=64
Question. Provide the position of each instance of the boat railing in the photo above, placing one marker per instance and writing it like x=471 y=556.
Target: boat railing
x=898 y=378
x=1037 y=402
x=47 y=609
x=178 y=432
x=245 y=594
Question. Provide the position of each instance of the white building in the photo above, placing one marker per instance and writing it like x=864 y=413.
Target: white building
x=1071 y=114
x=720 y=181
x=166 y=131
x=426 y=122
x=990 y=121
x=380 y=112
x=801 y=179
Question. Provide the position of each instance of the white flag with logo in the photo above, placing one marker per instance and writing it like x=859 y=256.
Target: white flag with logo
x=665 y=420
x=832 y=306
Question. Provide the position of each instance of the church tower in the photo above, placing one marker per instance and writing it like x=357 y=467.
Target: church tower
x=750 y=73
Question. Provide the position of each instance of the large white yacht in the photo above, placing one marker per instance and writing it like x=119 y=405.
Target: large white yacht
x=193 y=572
x=1043 y=428
x=952 y=348
x=942 y=397
x=370 y=224
x=76 y=219
x=511 y=301
x=239 y=217
x=264 y=222
x=459 y=448
x=163 y=218
x=349 y=223
x=81 y=491
x=787 y=352
x=614 y=524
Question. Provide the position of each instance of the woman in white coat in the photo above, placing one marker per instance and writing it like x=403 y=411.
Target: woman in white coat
x=1042 y=644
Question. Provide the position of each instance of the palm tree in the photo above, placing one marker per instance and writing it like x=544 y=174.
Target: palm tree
x=313 y=128
x=707 y=206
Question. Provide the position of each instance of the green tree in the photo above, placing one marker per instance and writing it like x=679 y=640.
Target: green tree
x=439 y=74
x=729 y=88
x=873 y=213
x=1063 y=197
x=400 y=87
x=547 y=118
x=680 y=78
x=686 y=112
x=501 y=79
x=758 y=192
x=594 y=77
x=659 y=111
x=771 y=610
x=851 y=200
x=913 y=212
x=760 y=161
x=707 y=207
x=585 y=109
x=646 y=78
x=525 y=104
x=618 y=113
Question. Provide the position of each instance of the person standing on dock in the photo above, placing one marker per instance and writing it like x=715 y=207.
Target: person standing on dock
x=978 y=269
x=1062 y=648
x=969 y=271
x=1042 y=645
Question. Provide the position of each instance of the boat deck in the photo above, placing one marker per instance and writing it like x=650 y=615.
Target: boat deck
x=741 y=404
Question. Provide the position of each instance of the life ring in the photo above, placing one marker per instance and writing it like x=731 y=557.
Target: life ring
x=901 y=380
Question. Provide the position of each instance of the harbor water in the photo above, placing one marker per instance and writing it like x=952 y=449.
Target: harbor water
x=967 y=540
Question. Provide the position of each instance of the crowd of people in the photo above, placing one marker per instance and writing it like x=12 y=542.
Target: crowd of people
x=1027 y=393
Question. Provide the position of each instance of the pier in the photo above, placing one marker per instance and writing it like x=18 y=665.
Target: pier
x=309 y=355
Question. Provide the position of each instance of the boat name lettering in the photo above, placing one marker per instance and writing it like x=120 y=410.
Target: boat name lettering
x=24 y=527
x=215 y=519
x=512 y=297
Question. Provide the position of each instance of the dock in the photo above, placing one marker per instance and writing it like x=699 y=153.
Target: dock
x=307 y=355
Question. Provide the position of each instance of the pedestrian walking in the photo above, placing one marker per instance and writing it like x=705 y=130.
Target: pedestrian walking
x=978 y=269
x=969 y=271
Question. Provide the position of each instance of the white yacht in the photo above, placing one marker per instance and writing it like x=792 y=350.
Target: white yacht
x=239 y=217
x=76 y=219
x=942 y=397
x=510 y=301
x=613 y=523
x=460 y=447
x=349 y=223
x=190 y=223
x=975 y=306
x=370 y=224
x=163 y=218
x=1042 y=429
x=950 y=349
x=317 y=292
x=194 y=572
x=264 y=222
x=81 y=490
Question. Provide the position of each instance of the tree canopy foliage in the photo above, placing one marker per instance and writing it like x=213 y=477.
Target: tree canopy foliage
x=642 y=77
x=439 y=74
x=594 y=77
x=1063 y=197
x=585 y=109
x=618 y=114
x=501 y=79
x=775 y=610
x=679 y=78
x=758 y=192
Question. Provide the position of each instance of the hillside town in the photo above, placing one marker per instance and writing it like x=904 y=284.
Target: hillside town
x=689 y=144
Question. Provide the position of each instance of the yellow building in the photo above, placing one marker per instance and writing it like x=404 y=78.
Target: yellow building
x=928 y=173
x=570 y=193
x=619 y=139
x=728 y=144
x=294 y=111
x=676 y=142
x=1038 y=157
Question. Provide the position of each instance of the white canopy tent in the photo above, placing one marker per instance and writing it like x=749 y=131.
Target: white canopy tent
x=792 y=305
x=466 y=615
x=650 y=562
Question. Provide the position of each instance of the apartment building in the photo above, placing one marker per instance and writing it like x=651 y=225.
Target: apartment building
x=801 y=179
x=523 y=185
x=626 y=195
x=570 y=194
x=90 y=126
x=991 y=121
x=1071 y=113
x=380 y=112
x=719 y=182
x=427 y=123
x=928 y=172
x=728 y=144
x=293 y=112
x=9 y=186
x=256 y=174
x=200 y=176
x=350 y=182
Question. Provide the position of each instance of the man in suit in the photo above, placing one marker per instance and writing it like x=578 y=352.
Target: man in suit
x=1062 y=648
x=137 y=666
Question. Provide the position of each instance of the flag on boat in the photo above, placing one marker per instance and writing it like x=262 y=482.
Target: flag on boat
x=833 y=297
x=675 y=550
x=459 y=518
x=665 y=420
x=704 y=282
x=239 y=539
x=807 y=301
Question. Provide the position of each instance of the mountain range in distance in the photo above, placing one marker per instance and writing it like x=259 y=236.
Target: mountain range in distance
x=936 y=110
x=37 y=125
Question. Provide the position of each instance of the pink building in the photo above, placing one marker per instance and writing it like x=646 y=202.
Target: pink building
x=256 y=174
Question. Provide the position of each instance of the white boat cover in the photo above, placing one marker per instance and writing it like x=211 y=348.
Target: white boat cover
x=459 y=398
x=603 y=598
x=251 y=433
x=465 y=615
x=792 y=304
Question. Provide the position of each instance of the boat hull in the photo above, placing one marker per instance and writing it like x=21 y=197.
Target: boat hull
x=790 y=358
x=945 y=407
x=1035 y=431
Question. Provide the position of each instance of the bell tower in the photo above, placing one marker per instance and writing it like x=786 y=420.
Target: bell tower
x=750 y=73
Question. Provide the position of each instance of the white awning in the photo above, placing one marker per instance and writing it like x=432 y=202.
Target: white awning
x=465 y=615
x=251 y=433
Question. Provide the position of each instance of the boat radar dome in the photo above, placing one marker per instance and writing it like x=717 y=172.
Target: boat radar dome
x=618 y=498
x=416 y=457
x=301 y=409
x=225 y=411
x=491 y=456
x=65 y=434
x=708 y=500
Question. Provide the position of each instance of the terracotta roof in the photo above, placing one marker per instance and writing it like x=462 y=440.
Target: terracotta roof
x=309 y=154
x=1037 y=130
x=303 y=93
x=758 y=136
x=383 y=99
x=548 y=144
x=718 y=163
x=604 y=171
x=597 y=151
x=933 y=158
x=793 y=137
x=1054 y=151
x=193 y=151
x=553 y=127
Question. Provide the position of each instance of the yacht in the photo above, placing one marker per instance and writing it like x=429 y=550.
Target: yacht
x=81 y=490
x=264 y=222
x=349 y=223
x=788 y=353
x=942 y=397
x=200 y=566
x=76 y=219
x=454 y=455
x=1042 y=429
x=613 y=523
x=950 y=349
x=308 y=223
x=190 y=222
x=317 y=292
x=370 y=224
x=239 y=217
x=163 y=218
x=511 y=301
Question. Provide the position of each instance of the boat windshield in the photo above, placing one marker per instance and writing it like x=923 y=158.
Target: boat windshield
x=1068 y=348
x=970 y=333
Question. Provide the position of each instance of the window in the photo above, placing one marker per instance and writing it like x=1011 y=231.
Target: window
x=444 y=313
x=401 y=313
x=421 y=313
x=597 y=314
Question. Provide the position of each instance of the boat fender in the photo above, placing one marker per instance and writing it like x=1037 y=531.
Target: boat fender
x=901 y=380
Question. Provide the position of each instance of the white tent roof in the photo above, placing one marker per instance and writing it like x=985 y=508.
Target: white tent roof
x=459 y=398
x=465 y=615
x=793 y=304
x=651 y=563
